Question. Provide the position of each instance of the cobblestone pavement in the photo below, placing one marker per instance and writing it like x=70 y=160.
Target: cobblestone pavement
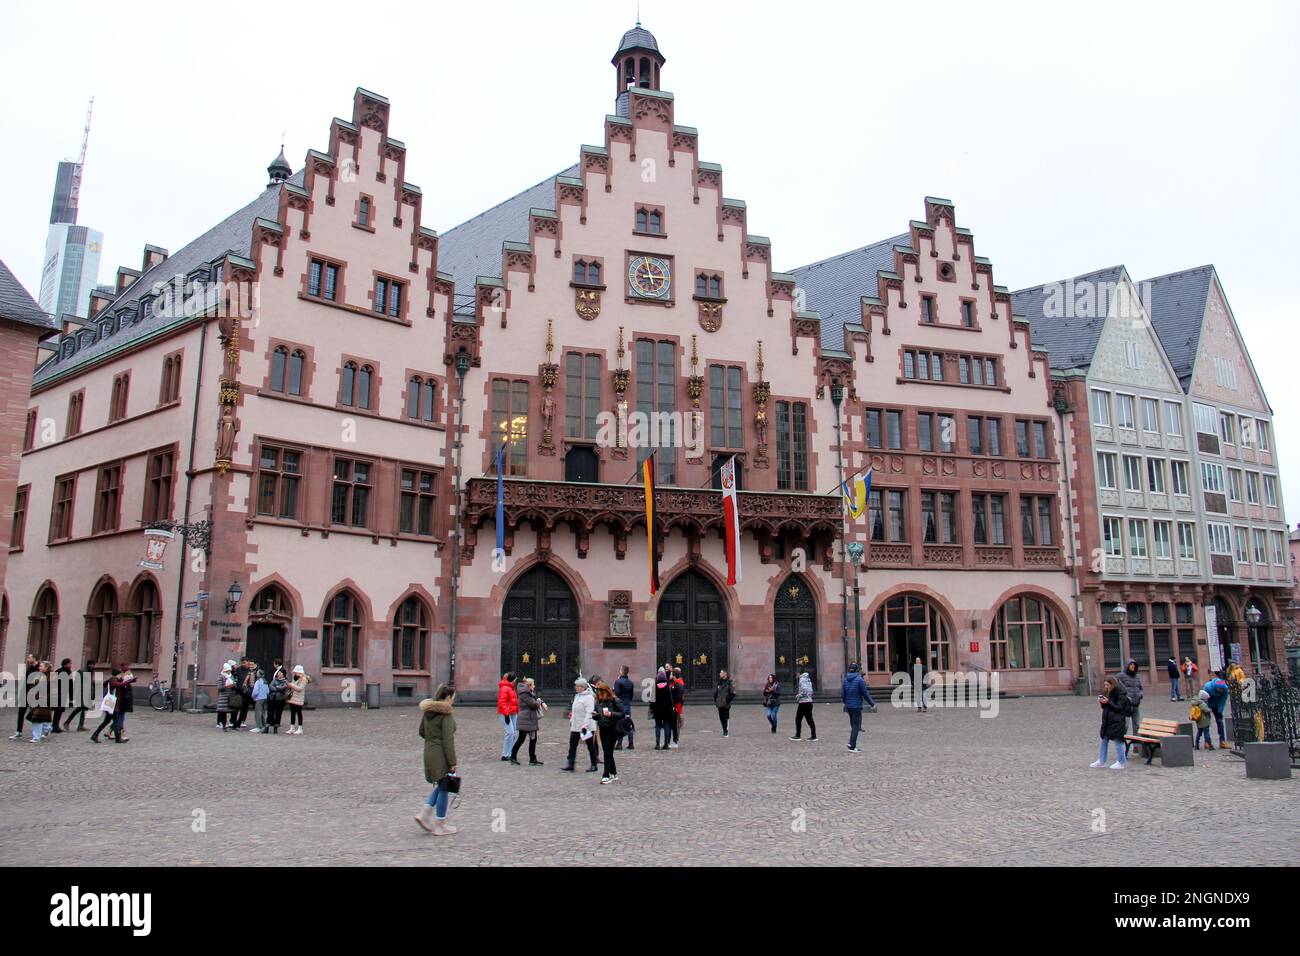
x=945 y=787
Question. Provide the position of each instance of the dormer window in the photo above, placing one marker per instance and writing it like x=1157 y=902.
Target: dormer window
x=146 y=308
x=650 y=220
x=586 y=272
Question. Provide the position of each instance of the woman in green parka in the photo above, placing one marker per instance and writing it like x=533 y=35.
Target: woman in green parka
x=438 y=728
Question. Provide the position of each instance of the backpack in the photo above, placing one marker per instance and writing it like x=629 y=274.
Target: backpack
x=1196 y=713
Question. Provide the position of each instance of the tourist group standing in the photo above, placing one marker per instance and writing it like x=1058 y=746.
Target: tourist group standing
x=243 y=686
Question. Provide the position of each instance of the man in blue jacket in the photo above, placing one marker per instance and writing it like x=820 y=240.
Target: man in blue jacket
x=854 y=694
x=1217 y=688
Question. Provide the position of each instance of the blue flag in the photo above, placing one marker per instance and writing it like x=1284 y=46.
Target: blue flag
x=501 y=501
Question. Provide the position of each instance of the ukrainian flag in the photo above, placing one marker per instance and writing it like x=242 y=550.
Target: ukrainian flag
x=856 y=492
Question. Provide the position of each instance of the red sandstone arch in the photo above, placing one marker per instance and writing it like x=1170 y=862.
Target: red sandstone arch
x=929 y=593
x=291 y=593
x=716 y=578
x=422 y=593
x=1065 y=614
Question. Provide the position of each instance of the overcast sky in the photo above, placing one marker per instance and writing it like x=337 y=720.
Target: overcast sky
x=1071 y=137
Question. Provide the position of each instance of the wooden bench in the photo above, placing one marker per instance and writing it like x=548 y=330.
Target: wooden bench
x=1152 y=733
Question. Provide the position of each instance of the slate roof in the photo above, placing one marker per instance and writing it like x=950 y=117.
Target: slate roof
x=473 y=248
x=232 y=234
x=1070 y=340
x=1178 y=303
x=638 y=38
x=17 y=305
x=834 y=287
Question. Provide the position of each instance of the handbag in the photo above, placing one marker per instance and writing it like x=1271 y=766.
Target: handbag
x=109 y=704
x=449 y=783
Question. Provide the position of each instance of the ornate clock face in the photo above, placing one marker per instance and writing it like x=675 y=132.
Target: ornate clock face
x=649 y=277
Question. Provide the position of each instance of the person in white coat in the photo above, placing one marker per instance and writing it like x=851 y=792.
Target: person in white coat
x=582 y=725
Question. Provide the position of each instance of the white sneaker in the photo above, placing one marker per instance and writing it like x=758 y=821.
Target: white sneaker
x=1118 y=766
x=613 y=778
x=604 y=780
x=17 y=736
x=300 y=731
x=1097 y=764
x=255 y=731
x=672 y=746
x=855 y=750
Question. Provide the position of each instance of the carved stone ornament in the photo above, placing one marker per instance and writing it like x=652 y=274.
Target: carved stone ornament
x=620 y=623
x=586 y=302
x=710 y=316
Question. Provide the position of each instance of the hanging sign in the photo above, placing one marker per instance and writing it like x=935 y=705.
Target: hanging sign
x=155 y=545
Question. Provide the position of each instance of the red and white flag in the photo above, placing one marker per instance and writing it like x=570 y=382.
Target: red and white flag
x=731 y=512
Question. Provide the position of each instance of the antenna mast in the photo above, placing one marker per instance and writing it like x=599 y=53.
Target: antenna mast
x=75 y=192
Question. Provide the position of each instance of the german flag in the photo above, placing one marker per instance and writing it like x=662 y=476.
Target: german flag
x=651 y=535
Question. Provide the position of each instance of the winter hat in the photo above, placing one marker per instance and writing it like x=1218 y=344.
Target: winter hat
x=298 y=669
x=1204 y=695
x=581 y=682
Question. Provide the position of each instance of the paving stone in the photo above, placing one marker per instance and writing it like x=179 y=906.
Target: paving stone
x=946 y=787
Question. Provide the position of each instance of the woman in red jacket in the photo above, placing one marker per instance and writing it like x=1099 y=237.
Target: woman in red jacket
x=508 y=709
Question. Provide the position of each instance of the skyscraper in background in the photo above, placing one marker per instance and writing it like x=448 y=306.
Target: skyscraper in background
x=71 y=262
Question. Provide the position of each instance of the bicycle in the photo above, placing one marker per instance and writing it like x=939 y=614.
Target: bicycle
x=161 y=697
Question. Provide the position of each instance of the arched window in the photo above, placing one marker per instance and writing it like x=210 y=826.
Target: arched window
x=413 y=396
x=656 y=221
x=143 y=620
x=642 y=220
x=1026 y=634
x=426 y=401
x=43 y=624
x=580 y=272
x=411 y=636
x=297 y=361
x=349 y=385
x=904 y=628
x=715 y=287
x=363 y=386
x=279 y=362
x=645 y=72
x=701 y=285
x=629 y=71
x=341 y=643
x=101 y=618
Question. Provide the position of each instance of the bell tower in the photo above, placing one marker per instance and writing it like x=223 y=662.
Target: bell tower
x=636 y=65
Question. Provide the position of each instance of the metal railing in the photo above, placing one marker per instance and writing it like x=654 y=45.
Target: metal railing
x=1266 y=707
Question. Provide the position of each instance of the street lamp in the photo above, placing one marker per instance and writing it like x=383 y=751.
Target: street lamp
x=837 y=399
x=232 y=597
x=462 y=366
x=1120 y=613
x=1253 y=617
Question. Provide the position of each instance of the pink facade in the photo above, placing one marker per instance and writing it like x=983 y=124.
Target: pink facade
x=308 y=414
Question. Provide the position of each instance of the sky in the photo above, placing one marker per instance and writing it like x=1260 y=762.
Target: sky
x=1070 y=136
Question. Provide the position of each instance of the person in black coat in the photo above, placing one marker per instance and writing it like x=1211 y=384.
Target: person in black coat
x=1115 y=709
x=625 y=691
x=1175 y=693
x=772 y=699
x=83 y=695
x=662 y=709
x=609 y=713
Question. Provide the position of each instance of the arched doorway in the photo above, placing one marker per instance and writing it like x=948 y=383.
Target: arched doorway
x=143 y=624
x=906 y=627
x=269 y=617
x=794 y=632
x=692 y=630
x=539 y=631
x=1260 y=632
x=1227 y=621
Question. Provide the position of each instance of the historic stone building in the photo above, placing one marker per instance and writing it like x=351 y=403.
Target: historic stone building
x=1151 y=500
x=22 y=324
x=284 y=393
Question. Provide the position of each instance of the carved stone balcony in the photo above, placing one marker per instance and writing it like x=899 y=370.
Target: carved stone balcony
x=544 y=505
